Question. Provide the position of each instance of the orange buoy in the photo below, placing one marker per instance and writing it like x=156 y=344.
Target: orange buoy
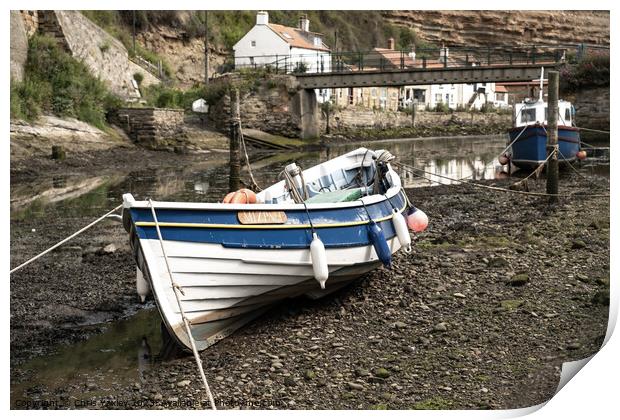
x=228 y=197
x=242 y=196
x=582 y=154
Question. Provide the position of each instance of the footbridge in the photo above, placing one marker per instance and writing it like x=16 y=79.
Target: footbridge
x=383 y=67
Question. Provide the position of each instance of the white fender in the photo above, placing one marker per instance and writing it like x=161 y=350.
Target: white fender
x=400 y=226
x=142 y=286
x=319 y=260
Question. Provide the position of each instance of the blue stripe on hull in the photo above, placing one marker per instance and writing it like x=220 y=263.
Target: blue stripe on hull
x=269 y=238
x=531 y=147
x=237 y=237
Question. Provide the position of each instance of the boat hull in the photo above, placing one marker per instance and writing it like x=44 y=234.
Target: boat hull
x=231 y=273
x=530 y=148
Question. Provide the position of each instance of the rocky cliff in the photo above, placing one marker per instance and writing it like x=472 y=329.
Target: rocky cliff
x=504 y=27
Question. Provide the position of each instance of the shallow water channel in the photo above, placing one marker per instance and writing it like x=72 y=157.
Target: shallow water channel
x=130 y=346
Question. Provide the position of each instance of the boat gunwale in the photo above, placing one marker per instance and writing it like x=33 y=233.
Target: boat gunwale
x=176 y=205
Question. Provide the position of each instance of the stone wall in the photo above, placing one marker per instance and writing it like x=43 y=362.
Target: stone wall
x=368 y=118
x=268 y=105
x=105 y=56
x=591 y=107
x=148 y=78
x=19 y=46
x=31 y=21
x=154 y=128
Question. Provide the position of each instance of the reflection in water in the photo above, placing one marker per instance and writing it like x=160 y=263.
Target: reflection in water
x=144 y=358
x=95 y=366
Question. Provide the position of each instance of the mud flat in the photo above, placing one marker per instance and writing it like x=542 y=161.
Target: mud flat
x=498 y=293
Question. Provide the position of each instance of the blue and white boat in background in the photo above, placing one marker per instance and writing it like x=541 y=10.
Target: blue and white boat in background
x=312 y=233
x=528 y=136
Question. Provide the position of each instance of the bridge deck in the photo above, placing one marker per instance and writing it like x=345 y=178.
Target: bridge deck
x=424 y=76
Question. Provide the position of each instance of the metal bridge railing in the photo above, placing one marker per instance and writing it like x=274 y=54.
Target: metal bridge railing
x=423 y=58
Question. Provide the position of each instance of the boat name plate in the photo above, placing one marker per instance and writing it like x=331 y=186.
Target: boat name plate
x=261 y=217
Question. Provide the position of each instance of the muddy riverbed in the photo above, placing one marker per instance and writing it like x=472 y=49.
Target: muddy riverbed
x=499 y=291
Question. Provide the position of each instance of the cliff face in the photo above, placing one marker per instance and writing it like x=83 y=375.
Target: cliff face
x=509 y=27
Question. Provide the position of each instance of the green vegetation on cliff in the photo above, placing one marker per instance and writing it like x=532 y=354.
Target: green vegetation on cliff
x=359 y=30
x=591 y=70
x=54 y=82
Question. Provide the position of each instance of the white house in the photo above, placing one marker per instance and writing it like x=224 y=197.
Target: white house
x=270 y=44
x=466 y=96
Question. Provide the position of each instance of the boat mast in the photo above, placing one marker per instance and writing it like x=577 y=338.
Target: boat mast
x=540 y=92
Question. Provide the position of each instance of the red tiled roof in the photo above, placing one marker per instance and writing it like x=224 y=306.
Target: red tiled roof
x=297 y=38
x=500 y=89
x=393 y=57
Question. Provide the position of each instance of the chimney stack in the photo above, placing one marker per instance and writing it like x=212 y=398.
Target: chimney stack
x=304 y=23
x=262 y=18
x=391 y=44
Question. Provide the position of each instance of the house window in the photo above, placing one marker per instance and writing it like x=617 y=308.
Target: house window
x=254 y=43
x=567 y=114
x=317 y=41
x=438 y=97
x=252 y=61
x=373 y=92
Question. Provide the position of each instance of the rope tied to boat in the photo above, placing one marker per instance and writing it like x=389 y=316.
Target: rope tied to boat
x=237 y=121
x=513 y=142
x=176 y=288
x=490 y=187
x=85 y=228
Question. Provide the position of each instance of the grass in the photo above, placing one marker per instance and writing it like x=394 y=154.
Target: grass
x=54 y=82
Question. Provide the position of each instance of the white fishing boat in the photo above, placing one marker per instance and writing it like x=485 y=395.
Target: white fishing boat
x=222 y=264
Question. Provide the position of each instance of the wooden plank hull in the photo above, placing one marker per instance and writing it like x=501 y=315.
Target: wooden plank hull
x=217 y=302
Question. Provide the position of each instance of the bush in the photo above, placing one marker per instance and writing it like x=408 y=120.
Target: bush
x=442 y=107
x=167 y=97
x=138 y=77
x=55 y=82
x=591 y=70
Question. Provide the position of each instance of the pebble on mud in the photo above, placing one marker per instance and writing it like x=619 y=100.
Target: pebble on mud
x=441 y=327
x=519 y=279
x=355 y=386
x=382 y=373
x=578 y=244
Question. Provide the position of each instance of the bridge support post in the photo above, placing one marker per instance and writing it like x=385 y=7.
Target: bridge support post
x=306 y=108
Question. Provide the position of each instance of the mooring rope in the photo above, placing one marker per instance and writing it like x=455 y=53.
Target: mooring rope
x=490 y=187
x=513 y=142
x=575 y=170
x=177 y=289
x=245 y=152
x=593 y=130
x=66 y=239
x=594 y=147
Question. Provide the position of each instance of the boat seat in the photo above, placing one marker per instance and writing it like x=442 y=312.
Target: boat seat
x=339 y=196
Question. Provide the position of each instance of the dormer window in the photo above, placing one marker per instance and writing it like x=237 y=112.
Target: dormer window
x=317 y=41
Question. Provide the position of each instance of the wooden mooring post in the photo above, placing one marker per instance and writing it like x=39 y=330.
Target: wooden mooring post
x=235 y=155
x=552 y=135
